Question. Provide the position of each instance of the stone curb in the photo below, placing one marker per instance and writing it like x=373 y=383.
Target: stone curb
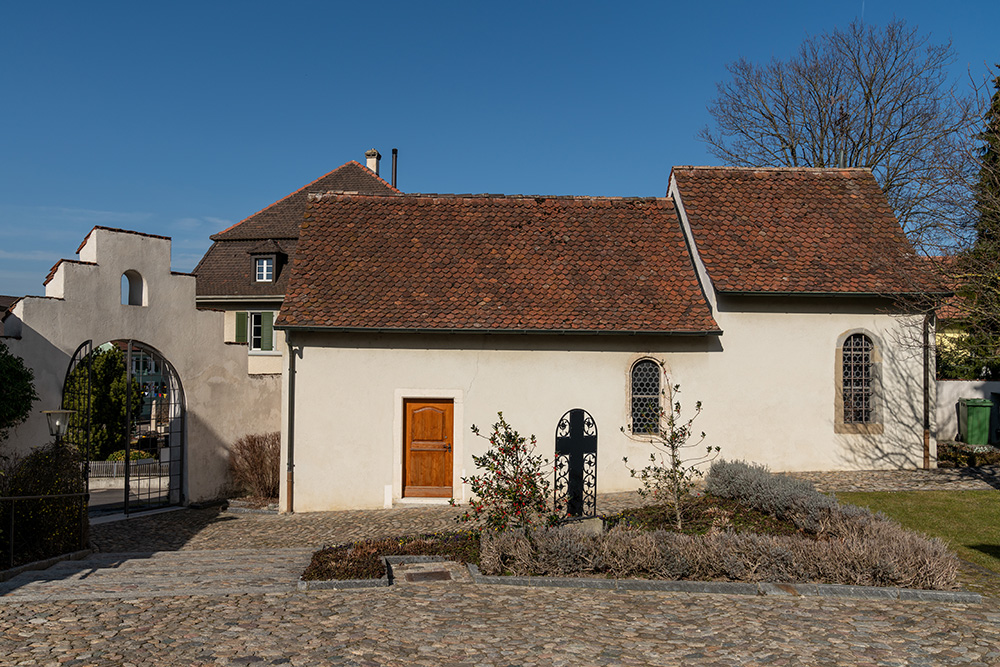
x=734 y=588
x=6 y=575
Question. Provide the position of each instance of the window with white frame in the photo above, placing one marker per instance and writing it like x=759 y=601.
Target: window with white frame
x=264 y=269
x=645 y=397
x=256 y=329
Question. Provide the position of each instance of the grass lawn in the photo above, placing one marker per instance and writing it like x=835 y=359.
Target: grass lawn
x=969 y=521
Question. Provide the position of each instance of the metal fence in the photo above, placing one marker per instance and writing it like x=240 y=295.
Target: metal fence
x=139 y=468
x=38 y=527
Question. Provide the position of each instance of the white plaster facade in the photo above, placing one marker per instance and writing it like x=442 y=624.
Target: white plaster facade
x=84 y=301
x=767 y=385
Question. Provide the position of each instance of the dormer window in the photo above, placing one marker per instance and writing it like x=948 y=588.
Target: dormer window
x=264 y=269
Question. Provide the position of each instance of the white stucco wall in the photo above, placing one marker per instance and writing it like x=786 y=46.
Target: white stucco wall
x=767 y=386
x=83 y=301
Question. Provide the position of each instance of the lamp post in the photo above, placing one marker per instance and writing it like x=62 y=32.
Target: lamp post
x=58 y=422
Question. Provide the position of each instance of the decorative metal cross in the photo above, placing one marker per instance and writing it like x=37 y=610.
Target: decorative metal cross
x=576 y=463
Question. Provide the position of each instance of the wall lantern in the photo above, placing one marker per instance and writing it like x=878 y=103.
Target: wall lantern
x=58 y=422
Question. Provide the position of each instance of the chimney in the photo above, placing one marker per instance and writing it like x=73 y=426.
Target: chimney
x=373 y=158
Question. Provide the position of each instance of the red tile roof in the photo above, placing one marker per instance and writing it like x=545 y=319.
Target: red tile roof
x=281 y=219
x=805 y=231
x=487 y=263
x=952 y=308
x=227 y=267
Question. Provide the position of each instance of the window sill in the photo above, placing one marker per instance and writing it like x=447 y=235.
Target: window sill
x=859 y=429
x=265 y=353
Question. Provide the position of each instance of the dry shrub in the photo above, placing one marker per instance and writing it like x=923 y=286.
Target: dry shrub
x=622 y=552
x=567 y=551
x=254 y=461
x=507 y=552
x=874 y=553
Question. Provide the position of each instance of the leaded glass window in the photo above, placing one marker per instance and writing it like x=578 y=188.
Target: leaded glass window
x=857 y=380
x=645 y=397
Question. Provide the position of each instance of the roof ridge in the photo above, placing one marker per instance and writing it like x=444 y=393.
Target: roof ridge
x=784 y=168
x=278 y=201
x=403 y=196
x=385 y=182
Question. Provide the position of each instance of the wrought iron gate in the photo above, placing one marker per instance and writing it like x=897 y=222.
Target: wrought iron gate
x=152 y=433
x=76 y=396
x=576 y=464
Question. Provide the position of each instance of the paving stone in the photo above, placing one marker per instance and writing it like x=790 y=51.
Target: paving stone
x=202 y=587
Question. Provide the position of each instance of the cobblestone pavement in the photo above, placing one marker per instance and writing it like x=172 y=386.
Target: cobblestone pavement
x=218 y=599
x=452 y=624
x=937 y=479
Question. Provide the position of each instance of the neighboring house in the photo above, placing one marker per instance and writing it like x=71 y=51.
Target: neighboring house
x=245 y=271
x=5 y=303
x=776 y=297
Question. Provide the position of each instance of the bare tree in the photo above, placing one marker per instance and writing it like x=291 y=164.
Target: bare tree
x=862 y=97
x=974 y=270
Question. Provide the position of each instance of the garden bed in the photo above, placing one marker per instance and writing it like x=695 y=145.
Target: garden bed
x=750 y=526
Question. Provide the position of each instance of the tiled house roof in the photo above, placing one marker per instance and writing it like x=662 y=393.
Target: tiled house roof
x=799 y=231
x=226 y=269
x=487 y=263
x=952 y=308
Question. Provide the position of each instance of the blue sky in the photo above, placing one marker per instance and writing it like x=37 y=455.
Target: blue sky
x=182 y=118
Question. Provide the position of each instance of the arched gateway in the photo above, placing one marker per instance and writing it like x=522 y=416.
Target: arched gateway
x=134 y=449
x=144 y=332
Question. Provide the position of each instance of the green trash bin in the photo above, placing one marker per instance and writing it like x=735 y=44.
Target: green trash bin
x=974 y=420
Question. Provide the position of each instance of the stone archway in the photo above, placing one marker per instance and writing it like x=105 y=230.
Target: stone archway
x=142 y=431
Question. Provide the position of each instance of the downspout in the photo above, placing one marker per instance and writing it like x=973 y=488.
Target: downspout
x=290 y=458
x=927 y=392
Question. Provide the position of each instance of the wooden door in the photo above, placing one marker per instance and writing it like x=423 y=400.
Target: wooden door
x=428 y=439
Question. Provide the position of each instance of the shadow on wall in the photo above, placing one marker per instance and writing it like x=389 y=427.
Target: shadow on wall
x=901 y=445
x=49 y=365
x=206 y=462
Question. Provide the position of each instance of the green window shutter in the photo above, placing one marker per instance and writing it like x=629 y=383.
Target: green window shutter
x=241 y=327
x=266 y=331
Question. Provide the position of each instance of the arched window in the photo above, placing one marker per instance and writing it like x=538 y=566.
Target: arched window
x=857 y=379
x=133 y=289
x=859 y=399
x=644 y=389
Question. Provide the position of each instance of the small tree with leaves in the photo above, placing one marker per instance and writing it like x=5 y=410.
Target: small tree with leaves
x=17 y=391
x=675 y=460
x=108 y=400
x=512 y=489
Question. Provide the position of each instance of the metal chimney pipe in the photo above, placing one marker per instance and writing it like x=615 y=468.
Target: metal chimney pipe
x=394 y=153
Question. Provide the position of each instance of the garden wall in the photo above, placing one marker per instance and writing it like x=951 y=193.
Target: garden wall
x=949 y=391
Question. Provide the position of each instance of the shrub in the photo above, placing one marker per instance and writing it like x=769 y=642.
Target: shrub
x=17 y=391
x=961 y=454
x=45 y=527
x=255 y=461
x=778 y=495
x=877 y=553
x=672 y=470
x=511 y=490
x=133 y=455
